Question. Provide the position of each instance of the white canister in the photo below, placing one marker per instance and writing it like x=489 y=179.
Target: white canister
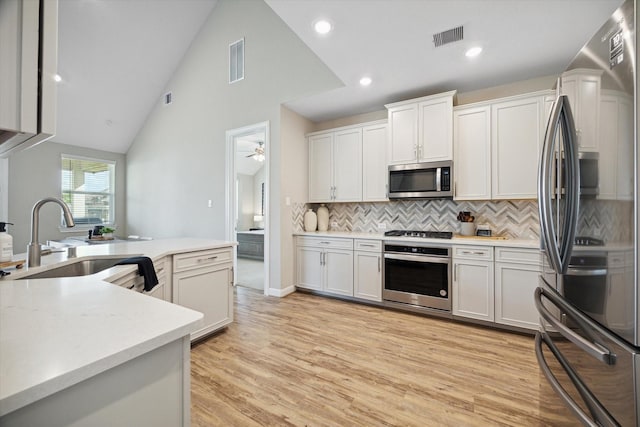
x=310 y=220
x=323 y=218
x=467 y=228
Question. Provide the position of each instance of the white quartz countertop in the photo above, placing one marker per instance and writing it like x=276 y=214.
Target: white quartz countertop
x=456 y=240
x=55 y=333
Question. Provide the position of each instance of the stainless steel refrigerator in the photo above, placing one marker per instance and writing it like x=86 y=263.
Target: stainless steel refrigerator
x=588 y=346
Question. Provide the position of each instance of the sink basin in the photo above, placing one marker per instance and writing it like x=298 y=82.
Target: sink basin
x=79 y=268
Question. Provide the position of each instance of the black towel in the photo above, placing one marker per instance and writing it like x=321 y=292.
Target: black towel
x=145 y=268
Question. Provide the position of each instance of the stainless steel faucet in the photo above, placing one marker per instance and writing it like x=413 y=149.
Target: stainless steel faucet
x=34 y=249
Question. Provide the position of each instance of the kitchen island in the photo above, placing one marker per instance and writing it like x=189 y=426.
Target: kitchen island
x=83 y=351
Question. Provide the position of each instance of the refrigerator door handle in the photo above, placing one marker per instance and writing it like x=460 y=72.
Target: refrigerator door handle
x=572 y=172
x=545 y=190
x=595 y=349
x=598 y=412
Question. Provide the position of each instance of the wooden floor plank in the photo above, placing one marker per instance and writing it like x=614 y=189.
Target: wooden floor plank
x=306 y=360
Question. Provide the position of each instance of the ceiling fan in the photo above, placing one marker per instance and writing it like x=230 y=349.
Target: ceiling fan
x=258 y=154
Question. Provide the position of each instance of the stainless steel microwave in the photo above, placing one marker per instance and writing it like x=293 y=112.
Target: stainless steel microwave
x=421 y=180
x=589 y=175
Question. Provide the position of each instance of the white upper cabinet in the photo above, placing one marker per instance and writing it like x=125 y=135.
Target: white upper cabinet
x=582 y=87
x=435 y=129
x=472 y=153
x=615 y=165
x=497 y=145
x=348 y=164
x=420 y=130
x=403 y=134
x=517 y=132
x=374 y=162
x=320 y=167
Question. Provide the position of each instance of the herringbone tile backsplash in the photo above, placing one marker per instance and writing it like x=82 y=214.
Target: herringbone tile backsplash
x=516 y=219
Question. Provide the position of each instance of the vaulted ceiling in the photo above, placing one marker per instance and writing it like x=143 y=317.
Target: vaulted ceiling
x=115 y=57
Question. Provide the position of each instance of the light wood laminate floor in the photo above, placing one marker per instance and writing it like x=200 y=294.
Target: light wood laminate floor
x=306 y=360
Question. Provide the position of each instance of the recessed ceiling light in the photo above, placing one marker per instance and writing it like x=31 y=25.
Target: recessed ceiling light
x=365 y=81
x=322 y=26
x=57 y=78
x=474 y=51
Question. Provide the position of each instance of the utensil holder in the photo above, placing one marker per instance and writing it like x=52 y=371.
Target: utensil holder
x=467 y=228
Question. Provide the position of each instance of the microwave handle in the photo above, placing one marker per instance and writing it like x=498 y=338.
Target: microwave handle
x=438 y=179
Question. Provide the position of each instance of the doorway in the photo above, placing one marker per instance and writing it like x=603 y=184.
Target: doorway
x=248 y=203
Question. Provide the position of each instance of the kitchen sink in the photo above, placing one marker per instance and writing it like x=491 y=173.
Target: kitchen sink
x=79 y=268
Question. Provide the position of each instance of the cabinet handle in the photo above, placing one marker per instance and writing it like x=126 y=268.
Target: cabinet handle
x=321 y=258
x=367 y=245
x=211 y=258
x=232 y=282
x=455 y=271
x=473 y=253
x=378 y=264
x=325 y=243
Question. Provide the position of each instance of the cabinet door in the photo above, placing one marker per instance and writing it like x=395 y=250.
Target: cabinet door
x=309 y=267
x=583 y=91
x=403 y=134
x=515 y=285
x=516 y=140
x=347 y=165
x=608 y=157
x=625 y=164
x=472 y=153
x=338 y=271
x=473 y=289
x=374 y=163
x=207 y=290
x=435 y=129
x=367 y=276
x=320 y=167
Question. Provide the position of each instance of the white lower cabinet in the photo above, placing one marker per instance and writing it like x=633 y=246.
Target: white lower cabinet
x=367 y=270
x=473 y=291
x=203 y=281
x=325 y=264
x=517 y=277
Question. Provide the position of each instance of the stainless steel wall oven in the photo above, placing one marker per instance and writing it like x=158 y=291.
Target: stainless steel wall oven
x=417 y=274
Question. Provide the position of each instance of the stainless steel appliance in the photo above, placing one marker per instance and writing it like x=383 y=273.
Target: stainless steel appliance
x=588 y=167
x=588 y=342
x=417 y=274
x=421 y=180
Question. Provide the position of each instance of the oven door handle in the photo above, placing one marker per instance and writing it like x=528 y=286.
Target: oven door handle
x=599 y=413
x=418 y=258
x=586 y=272
x=595 y=349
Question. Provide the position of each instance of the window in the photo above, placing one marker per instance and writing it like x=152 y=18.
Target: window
x=89 y=190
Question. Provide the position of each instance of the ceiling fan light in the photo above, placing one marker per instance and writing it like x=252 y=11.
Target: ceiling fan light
x=259 y=157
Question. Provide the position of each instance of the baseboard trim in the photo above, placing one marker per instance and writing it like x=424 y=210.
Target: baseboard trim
x=276 y=292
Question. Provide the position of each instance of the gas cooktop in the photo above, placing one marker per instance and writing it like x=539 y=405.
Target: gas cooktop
x=422 y=234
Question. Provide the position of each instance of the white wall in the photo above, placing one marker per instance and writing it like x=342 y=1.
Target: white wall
x=4 y=189
x=295 y=155
x=35 y=174
x=177 y=161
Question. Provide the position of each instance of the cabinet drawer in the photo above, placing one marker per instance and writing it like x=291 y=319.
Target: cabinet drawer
x=191 y=260
x=320 y=242
x=473 y=252
x=617 y=259
x=368 y=245
x=131 y=280
x=519 y=255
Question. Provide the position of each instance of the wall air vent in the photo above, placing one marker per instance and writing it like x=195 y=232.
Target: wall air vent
x=236 y=61
x=449 y=36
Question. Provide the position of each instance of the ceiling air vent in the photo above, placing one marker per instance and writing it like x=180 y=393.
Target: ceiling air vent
x=449 y=36
x=236 y=61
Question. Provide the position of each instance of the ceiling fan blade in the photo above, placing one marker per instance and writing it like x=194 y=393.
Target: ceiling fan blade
x=251 y=155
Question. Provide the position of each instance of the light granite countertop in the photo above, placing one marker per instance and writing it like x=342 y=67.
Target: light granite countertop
x=456 y=240
x=55 y=333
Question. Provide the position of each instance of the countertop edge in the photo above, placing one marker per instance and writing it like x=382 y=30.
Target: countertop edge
x=514 y=243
